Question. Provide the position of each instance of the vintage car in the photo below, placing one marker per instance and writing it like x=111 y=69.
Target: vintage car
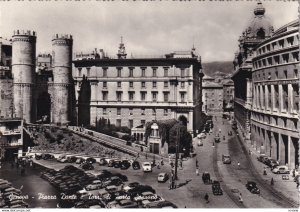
x=252 y=187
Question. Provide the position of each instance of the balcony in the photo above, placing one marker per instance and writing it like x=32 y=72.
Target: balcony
x=11 y=144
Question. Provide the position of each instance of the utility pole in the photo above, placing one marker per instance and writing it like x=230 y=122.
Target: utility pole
x=176 y=155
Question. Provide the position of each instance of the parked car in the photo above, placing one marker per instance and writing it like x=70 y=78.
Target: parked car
x=296 y=178
x=79 y=160
x=216 y=188
x=123 y=177
x=262 y=158
x=200 y=142
x=96 y=184
x=131 y=185
x=252 y=187
x=272 y=163
x=117 y=164
x=281 y=170
x=226 y=159
x=136 y=165
x=38 y=156
x=90 y=160
x=206 y=178
x=162 y=177
x=102 y=162
x=87 y=166
x=48 y=157
x=147 y=167
x=125 y=164
x=201 y=135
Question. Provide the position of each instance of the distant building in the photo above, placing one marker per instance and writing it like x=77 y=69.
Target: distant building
x=228 y=95
x=275 y=110
x=11 y=137
x=132 y=91
x=212 y=96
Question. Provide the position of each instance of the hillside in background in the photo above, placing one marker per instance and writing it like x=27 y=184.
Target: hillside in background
x=217 y=68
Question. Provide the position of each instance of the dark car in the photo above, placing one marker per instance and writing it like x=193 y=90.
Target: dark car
x=102 y=162
x=206 y=178
x=166 y=204
x=38 y=157
x=262 y=158
x=136 y=165
x=125 y=164
x=79 y=161
x=252 y=187
x=72 y=159
x=123 y=177
x=272 y=163
x=47 y=156
x=216 y=188
x=104 y=174
x=117 y=164
x=87 y=166
x=91 y=160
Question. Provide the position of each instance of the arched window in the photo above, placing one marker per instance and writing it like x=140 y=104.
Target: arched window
x=261 y=34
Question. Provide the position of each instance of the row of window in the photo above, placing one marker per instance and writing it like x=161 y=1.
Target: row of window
x=276 y=121
x=277 y=60
x=143 y=94
x=143 y=84
x=259 y=76
x=263 y=98
x=131 y=72
x=279 y=44
x=119 y=111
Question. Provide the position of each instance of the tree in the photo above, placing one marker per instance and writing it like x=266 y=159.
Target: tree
x=185 y=139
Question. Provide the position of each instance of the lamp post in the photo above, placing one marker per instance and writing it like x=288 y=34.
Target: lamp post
x=176 y=155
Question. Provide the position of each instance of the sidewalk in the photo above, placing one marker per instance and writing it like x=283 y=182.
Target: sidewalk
x=285 y=187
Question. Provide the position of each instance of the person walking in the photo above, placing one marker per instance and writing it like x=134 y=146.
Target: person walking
x=206 y=197
x=170 y=183
x=196 y=163
x=238 y=163
x=197 y=171
x=240 y=198
x=272 y=181
x=265 y=171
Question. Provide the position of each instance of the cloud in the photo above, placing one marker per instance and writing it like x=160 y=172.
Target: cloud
x=147 y=27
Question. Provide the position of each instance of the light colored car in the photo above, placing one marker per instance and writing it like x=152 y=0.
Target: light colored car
x=147 y=167
x=162 y=177
x=200 y=143
x=281 y=170
x=226 y=159
x=96 y=184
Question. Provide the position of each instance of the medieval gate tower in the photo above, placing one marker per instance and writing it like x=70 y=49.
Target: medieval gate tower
x=62 y=79
x=23 y=69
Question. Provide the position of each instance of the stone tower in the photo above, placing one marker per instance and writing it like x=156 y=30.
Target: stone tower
x=62 y=80
x=23 y=69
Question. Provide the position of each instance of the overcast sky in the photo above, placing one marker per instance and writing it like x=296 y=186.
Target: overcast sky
x=148 y=28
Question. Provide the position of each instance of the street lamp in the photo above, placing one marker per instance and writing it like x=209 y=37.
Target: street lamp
x=176 y=155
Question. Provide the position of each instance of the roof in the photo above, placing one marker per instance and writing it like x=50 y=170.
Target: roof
x=211 y=85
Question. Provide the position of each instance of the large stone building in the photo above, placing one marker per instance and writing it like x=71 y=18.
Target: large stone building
x=132 y=91
x=32 y=94
x=212 y=96
x=275 y=110
x=258 y=30
x=228 y=95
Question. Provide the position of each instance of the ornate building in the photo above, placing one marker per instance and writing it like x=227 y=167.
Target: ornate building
x=132 y=91
x=257 y=31
x=275 y=109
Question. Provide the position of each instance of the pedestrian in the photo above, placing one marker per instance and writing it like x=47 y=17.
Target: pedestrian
x=249 y=152
x=294 y=173
x=158 y=167
x=265 y=171
x=196 y=163
x=206 y=197
x=238 y=165
x=297 y=184
x=162 y=162
x=170 y=183
x=272 y=181
x=173 y=184
x=240 y=198
x=197 y=171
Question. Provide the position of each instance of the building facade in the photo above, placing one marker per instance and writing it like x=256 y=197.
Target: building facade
x=132 y=91
x=11 y=137
x=259 y=29
x=212 y=97
x=228 y=95
x=275 y=110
